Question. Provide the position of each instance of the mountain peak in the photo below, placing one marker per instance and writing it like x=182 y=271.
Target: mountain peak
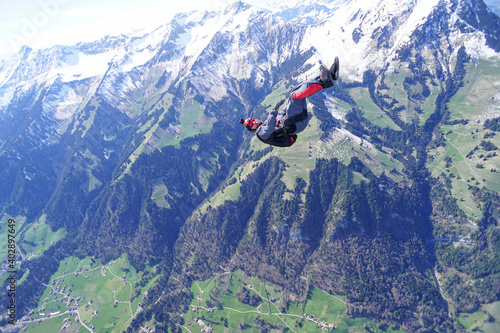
x=478 y=16
x=130 y=144
x=237 y=7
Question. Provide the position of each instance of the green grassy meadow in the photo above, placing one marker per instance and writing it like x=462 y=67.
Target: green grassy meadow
x=39 y=237
x=310 y=146
x=32 y=239
x=85 y=292
x=215 y=304
x=192 y=121
x=469 y=163
x=486 y=320
x=370 y=110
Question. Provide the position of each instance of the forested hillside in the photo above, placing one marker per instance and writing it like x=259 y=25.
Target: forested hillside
x=386 y=208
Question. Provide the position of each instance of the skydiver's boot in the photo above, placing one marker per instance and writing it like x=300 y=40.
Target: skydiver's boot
x=325 y=78
x=334 y=70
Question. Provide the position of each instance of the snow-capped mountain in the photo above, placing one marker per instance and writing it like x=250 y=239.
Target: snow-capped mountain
x=365 y=34
x=307 y=12
x=43 y=92
x=206 y=46
x=242 y=51
x=122 y=140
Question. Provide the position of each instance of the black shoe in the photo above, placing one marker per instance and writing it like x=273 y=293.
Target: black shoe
x=326 y=77
x=334 y=70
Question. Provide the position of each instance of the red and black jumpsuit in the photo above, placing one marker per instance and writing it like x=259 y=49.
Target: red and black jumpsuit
x=281 y=128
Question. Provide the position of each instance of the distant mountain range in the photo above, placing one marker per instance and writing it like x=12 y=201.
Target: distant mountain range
x=131 y=144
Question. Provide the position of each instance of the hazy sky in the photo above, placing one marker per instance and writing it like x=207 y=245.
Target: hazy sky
x=43 y=23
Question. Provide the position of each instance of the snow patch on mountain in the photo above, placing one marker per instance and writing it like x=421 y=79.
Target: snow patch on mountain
x=367 y=35
x=216 y=49
x=225 y=47
x=418 y=15
x=335 y=107
x=477 y=48
x=307 y=12
x=81 y=66
x=61 y=102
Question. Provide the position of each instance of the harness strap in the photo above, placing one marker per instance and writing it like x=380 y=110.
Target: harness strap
x=280 y=141
x=282 y=129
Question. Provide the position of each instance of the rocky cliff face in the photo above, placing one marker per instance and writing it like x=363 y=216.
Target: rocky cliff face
x=131 y=143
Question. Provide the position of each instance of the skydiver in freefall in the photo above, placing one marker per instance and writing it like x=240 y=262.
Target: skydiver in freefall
x=281 y=128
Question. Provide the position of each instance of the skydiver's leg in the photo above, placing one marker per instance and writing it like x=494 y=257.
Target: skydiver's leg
x=296 y=107
x=324 y=81
x=307 y=88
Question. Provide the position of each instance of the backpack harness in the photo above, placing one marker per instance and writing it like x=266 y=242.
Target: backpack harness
x=280 y=137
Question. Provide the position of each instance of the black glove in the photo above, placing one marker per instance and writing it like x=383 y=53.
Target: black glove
x=280 y=103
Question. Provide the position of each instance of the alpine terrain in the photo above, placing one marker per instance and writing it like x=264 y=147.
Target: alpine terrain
x=133 y=200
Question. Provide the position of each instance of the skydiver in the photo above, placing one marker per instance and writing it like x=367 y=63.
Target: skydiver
x=281 y=128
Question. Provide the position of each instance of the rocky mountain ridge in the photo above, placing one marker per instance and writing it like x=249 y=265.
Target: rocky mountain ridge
x=131 y=145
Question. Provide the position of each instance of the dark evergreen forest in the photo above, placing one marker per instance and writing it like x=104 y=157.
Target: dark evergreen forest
x=373 y=240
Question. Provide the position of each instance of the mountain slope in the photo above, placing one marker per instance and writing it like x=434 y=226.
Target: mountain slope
x=131 y=145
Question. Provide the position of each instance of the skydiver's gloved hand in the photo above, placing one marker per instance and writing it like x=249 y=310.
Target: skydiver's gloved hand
x=280 y=103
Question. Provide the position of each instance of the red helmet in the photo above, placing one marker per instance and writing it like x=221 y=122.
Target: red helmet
x=251 y=124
